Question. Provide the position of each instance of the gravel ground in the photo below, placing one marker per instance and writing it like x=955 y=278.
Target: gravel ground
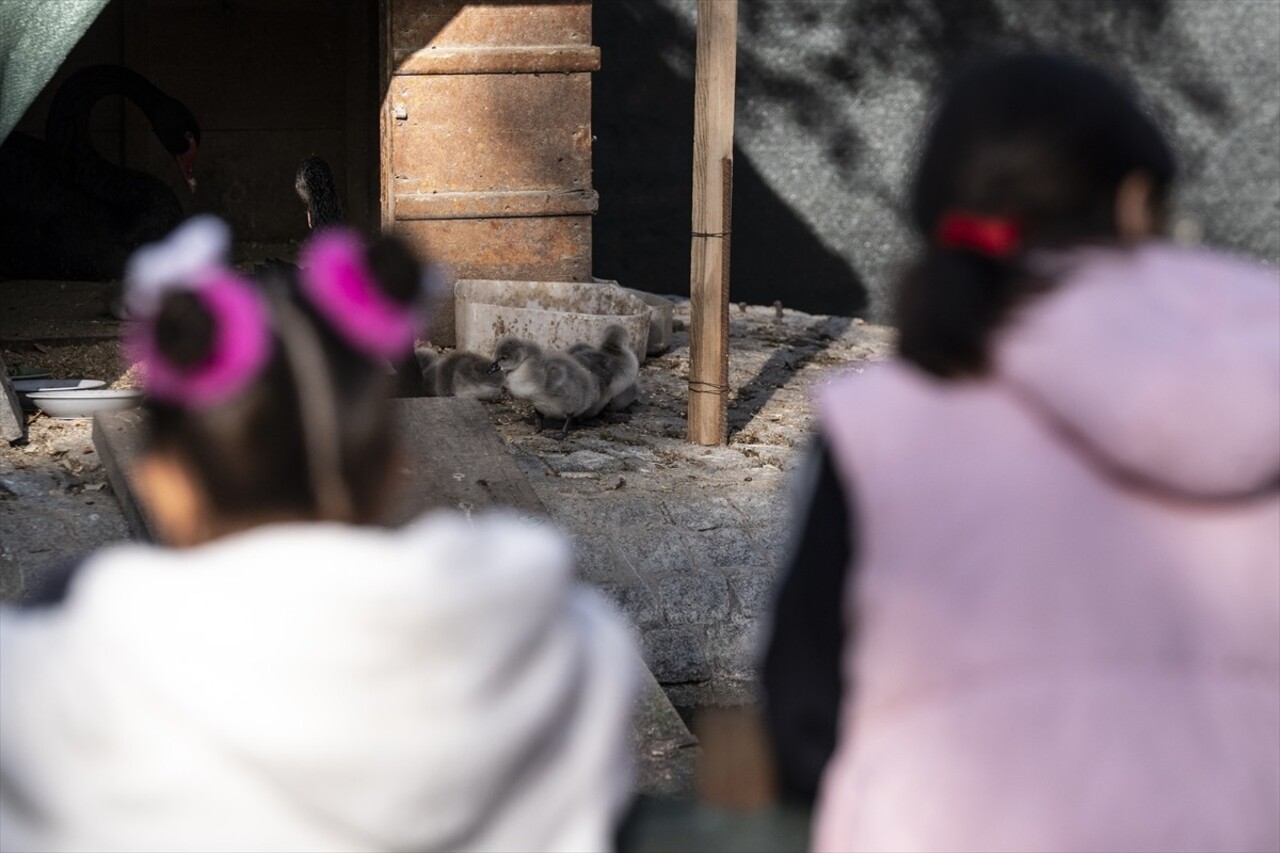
x=686 y=539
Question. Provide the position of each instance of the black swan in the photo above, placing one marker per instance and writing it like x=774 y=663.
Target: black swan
x=319 y=192
x=68 y=213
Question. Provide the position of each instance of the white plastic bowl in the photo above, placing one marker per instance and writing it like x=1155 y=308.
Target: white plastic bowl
x=85 y=404
x=26 y=387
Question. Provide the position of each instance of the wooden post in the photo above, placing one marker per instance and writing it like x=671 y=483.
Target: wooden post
x=712 y=205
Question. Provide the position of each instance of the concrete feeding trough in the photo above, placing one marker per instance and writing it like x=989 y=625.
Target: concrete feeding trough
x=553 y=314
x=661 y=316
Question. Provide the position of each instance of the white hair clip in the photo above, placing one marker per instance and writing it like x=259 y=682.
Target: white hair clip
x=177 y=262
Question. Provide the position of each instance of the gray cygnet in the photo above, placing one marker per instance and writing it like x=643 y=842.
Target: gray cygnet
x=615 y=367
x=556 y=384
x=459 y=374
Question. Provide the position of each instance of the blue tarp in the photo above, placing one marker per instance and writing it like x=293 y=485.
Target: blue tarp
x=35 y=38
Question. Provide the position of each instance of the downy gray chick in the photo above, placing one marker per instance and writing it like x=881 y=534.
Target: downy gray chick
x=615 y=367
x=556 y=384
x=459 y=374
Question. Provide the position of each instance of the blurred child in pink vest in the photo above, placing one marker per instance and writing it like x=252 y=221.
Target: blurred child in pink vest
x=1036 y=600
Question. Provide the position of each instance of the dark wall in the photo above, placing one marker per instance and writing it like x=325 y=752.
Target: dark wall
x=831 y=96
x=270 y=81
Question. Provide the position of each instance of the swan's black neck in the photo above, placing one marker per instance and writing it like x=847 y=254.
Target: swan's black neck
x=67 y=127
x=131 y=194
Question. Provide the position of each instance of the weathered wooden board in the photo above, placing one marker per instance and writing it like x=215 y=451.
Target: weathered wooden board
x=455 y=460
x=507 y=248
x=510 y=132
x=454 y=23
x=118 y=437
x=486 y=137
x=712 y=208
x=13 y=425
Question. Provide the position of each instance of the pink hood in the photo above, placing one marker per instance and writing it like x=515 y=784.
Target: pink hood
x=1164 y=361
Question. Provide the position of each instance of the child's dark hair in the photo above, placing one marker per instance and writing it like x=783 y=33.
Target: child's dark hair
x=310 y=437
x=1043 y=142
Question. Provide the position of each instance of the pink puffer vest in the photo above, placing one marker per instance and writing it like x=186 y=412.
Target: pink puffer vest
x=1067 y=595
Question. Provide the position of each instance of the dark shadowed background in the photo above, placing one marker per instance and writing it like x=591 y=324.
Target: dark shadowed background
x=832 y=94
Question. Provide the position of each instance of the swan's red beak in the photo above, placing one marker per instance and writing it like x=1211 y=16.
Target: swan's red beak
x=187 y=163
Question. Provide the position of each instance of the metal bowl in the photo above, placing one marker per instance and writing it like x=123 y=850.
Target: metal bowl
x=26 y=387
x=84 y=404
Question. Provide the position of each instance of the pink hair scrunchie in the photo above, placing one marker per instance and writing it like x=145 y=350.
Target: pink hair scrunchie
x=340 y=286
x=240 y=349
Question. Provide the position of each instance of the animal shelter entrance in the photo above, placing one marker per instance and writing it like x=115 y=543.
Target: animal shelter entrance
x=270 y=82
x=463 y=126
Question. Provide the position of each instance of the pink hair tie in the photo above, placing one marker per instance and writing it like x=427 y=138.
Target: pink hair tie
x=241 y=345
x=339 y=285
x=987 y=235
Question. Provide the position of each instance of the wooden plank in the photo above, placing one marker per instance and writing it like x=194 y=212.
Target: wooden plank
x=712 y=205
x=486 y=136
x=452 y=23
x=500 y=204
x=498 y=60
x=386 y=121
x=518 y=248
x=545 y=248
x=461 y=133
x=118 y=436
x=55 y=313
x=454 y=459
x=13 y=424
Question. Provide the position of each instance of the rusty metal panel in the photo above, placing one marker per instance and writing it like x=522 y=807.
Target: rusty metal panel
x=467 y=23
x=491 y=132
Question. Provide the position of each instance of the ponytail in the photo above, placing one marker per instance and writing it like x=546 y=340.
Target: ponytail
x=948 y=305
x=1025 y=152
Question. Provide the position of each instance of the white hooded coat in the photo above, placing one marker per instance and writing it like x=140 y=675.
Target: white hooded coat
x=319 y=687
